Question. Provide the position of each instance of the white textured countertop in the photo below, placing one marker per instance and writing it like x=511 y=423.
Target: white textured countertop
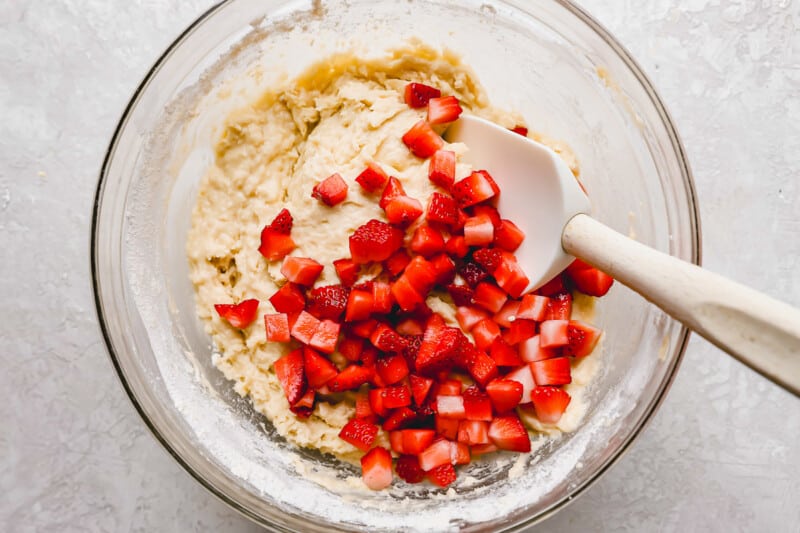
x=723 y=452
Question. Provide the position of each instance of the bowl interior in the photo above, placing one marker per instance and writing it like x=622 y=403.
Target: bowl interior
x=545 y=60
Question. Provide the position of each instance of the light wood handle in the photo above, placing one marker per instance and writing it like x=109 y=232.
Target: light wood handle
x=759 y=331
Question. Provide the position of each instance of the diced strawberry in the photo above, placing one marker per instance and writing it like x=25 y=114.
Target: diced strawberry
x=288 y=299
x=588 y=279
x=446 y=427
x=553 y=287
x=238 y=315
x=559 y=307
x=449 y=387
x=510 y=276
x=459 y=453
x=553 y=333
x=530 y=350
x=397 y=262
x=403 y=210
x=524 y=377
x=505 y=394
x=327 y=302
x=408 y=469
x=351 y=347
x=350 y=378
x=291 y=375
x=420 y=274
x=418 y=94
x=426 y=241
x=305 y=405
x=478 y=231
x=392 y=369
x=359 y=306
x=444 y=109
x=488 y=258
x=456 y=246
x=410 y=326
x=582 y=338
x=482 y=449
x=301 y=270
x=484 y=333
x=422 y=140
x=398 y=418
x=437 y=454
x=319 y=370
x=373 y=178
x=394 y=397
x=376 y=402
x=508 y=314
x=442 y=169
x=405 y=294
x=442 y=353
x=488 y=210
x=382 y=299
x=277 y=327
x=375 y=241
x=392 y=190
x=519 y=331
x=490 y=180
x=420 y=386
x=444 y=267
x=396 y=441
x=508 y=236
x=508 y=433
x=442 y=475
x=533 y=307
x=473 y=432
x=482 y=368
x=304 y=327
x=550 y=403
x=555 y=371
x=442 y=209
x=477 y=405
x=504 y=354
x=415 y=441
x=461 y=294
x=325 y=337
x=376 y=468
x=472 y=273
x=363 y=408
x=473 y=189
x=489 y=296
x=331 y=191
x=450 y=406
x=385 y=339
x=282 y=223
x=274 y=244
x=347 y=270
x=368 y=358
x=521 y=130
x=363 y=328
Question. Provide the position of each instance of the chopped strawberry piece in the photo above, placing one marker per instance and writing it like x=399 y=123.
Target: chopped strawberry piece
x=449 y=387
x=319 y=370
x=519 y=331
x=442 y=475
x=394 y=397
x=291 y=375
x=508 y=236
x=415 y=441
x=418 y=94
x=444 y=268
x=409 y=326
x=403 y=210
x=437 y=454
x=440 y=351
x=397 y=262
x=327 y=302
x=550 y=403
x=376 y=402
x=239 y=315
x=427 y=241
x=422 y=140
x=420 y=274
x=504 y=354
x=489 y=211
x=478 y=231
x=521 y=130
x=398 y=418
x=473 y=189
x=375 y=241
x=359 y=306
x=373 y=178
x=508 y=433
x=524 y=377
x=288 y=299
x=582 y=338
x=450 y=407
x=559 y=307
x=588 y=279
x=392 y=369
x=530 y=350
x=459 y=452
x=461 y=295
x=482 y=449
x=277 y=327
x=555 y=371
x=442 y=169
x=553 y=333
x=442 y=209
x=508 y=314
x=510 y=276
x=405 y=294
x=420 y=386
x=446 y=427
x=533 y=307
x=331 y=191
x=408 y=469
x=489 y=296
x=477 y=405
x=472 y=273
x=505 y=394
x=301 y=270
x=275 y=245
x=351 y=347
x=282 y=223
x=396 y=441
x=473 y=431
x=392 y=190
x=363 y=408
x=385 y=339
x=364 y=328
x=325 y=337
x=305 y=327
x=376 y=468
x=553 y=287
x=456 y=246
x=305 y=405
x=347 y=270
x=482 y=368
x=444 y=109
x=488 y=258
x=484 y=333
x=350 y=378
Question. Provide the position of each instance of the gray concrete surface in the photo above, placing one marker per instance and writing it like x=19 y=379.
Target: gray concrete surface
x=722 y=454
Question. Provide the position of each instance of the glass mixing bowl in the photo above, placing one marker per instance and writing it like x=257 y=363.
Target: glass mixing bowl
x=543 y=58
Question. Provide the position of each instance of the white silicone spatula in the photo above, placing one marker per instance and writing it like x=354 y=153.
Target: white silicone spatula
x=543 y=198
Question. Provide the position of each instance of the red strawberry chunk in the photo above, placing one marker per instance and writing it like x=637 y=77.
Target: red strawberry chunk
x=559 y=307
x=437 y=454
x=504 y=354
x=291 y=375
x=533 y=307
x=508 y=314
x=350 y=378
x=484 y=333
x=490 y=297
x=410 y=326
x=418 y=94
x=403 y=210
x=519 y=331
x=319 y=370
x=442 y=209
x=473 y=432
x=510 y=277
x=478 y=231
x=420 y=386
x=524 y=377
x=396 y=441
x=351 y=347
x=459 y=452
x=347 y=270
x=442 y=169
x=364 y=328
x=477 y=405
x=288 y=299
x=394 y=397
x=363 y=408
x=444 y=109
x=239 y=315
x=427 y=242
x=373 y=178
x=461 y=295
x=449 y=387
x=505 y=394
x=444 y=268
x=376 y=468
x=550 y=403
x=397 y=262
x=555 y=371
x=415 y=441
x=420 y=274
x=450 y=407
x=446 y=427
x=376 y=402
x=408 y=469
x=442 y=475
x=331 y=191
x=304 y=327
x=375 y=241
x=359 y=306
x=327 y=302
x=282 y=223
x=588 y=279
x=422 y=140
x=301 y=270
x=553 y=287
x=398 y=418
x=582 y=338
x=382 y=299
x=326 y=336
x=508 y=433
x=405 y=294
x=385 y=339
x=456 y=246
x=440 y=352
x=473 y=189
x=508 y=236
x=392 y=190
x=482 y=368
x=472 y=273
x=277 y=327
x=392 y=369
x=305 y=405
x=553 y=333
x=274 y=244
x=488 y=258
x=530 y=350
x=489 y=211
x=521 y=130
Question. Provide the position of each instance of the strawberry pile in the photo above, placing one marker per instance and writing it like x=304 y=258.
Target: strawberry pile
x=442 y=395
